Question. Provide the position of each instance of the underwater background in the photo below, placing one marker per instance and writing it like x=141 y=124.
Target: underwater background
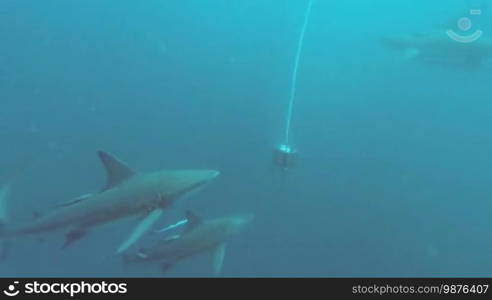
x=394 y=171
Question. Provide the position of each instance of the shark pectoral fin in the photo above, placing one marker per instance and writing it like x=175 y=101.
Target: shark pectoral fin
x=218 y=258
x=116 y=170
x=141 y=229
x=73 y=236
x=172 y=226
x=192 y=221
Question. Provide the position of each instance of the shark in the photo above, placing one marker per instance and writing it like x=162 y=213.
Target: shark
x=443 y=47
x=198 y=236
x=127 y=193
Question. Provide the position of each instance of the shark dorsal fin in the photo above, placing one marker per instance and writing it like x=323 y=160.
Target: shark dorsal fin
x=193 y=221
x=116 y=170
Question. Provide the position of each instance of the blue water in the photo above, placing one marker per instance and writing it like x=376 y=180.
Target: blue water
x=394 y=164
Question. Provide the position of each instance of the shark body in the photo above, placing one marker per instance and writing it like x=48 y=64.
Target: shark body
x=198 y=236
x=126 y=194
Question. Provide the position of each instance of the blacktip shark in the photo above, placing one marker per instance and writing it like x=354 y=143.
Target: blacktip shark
x=198 y=236
x=444 y=47
x=126 y=193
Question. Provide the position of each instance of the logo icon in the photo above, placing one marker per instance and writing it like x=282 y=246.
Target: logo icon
x=465 y=24
x=11 y=291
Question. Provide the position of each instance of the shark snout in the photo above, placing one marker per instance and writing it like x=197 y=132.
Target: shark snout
x=240 y=222
x=197 y=179
x=214 y=173
x=206 y=175
x=246 y=219
x=200 y=176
